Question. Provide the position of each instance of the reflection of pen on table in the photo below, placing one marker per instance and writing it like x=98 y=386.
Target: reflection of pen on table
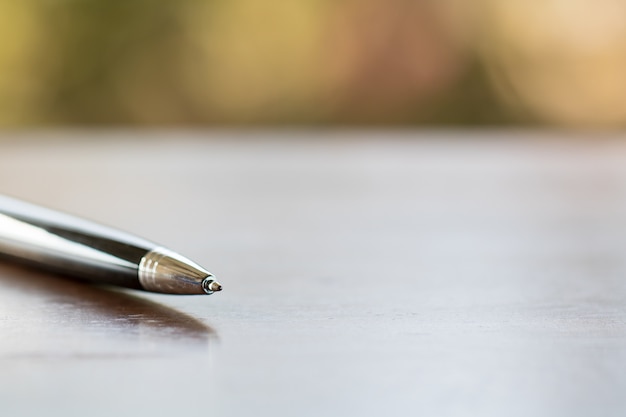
x=65 y=307
x=82 y=249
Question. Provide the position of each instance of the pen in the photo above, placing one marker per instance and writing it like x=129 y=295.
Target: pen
x=82 y=249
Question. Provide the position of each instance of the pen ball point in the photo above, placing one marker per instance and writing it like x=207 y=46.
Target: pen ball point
x=209 y=285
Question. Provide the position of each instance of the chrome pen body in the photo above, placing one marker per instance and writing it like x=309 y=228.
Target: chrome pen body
x=83 y=249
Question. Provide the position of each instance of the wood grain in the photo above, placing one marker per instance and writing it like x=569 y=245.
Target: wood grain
x=365 y=273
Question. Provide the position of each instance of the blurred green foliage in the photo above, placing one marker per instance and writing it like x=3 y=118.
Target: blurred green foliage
x=240 y=62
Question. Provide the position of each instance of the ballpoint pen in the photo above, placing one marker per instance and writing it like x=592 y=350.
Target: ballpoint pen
x=82 y=249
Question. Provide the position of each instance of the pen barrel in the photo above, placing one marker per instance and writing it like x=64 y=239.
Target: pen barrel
x=69 y=245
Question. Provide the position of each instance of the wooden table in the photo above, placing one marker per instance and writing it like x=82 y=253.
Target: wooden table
x=365 y=274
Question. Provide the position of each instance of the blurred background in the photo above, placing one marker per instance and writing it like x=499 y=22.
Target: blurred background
x=312 y=62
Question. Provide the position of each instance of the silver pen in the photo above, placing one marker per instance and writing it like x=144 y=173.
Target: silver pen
x=82 y=249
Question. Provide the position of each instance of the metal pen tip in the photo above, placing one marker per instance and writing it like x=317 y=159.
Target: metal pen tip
x=209 y=285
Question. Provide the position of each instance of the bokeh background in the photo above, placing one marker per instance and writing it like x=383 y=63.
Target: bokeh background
x=313 y=62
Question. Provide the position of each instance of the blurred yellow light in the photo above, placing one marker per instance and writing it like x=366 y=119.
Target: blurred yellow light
x=255 y=58
x=20 y=41
x=563 y=60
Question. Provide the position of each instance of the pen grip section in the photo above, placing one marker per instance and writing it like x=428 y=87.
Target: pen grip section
x=68 y=245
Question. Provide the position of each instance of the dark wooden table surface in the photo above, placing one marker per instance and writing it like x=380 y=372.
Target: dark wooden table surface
x=365 y=274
